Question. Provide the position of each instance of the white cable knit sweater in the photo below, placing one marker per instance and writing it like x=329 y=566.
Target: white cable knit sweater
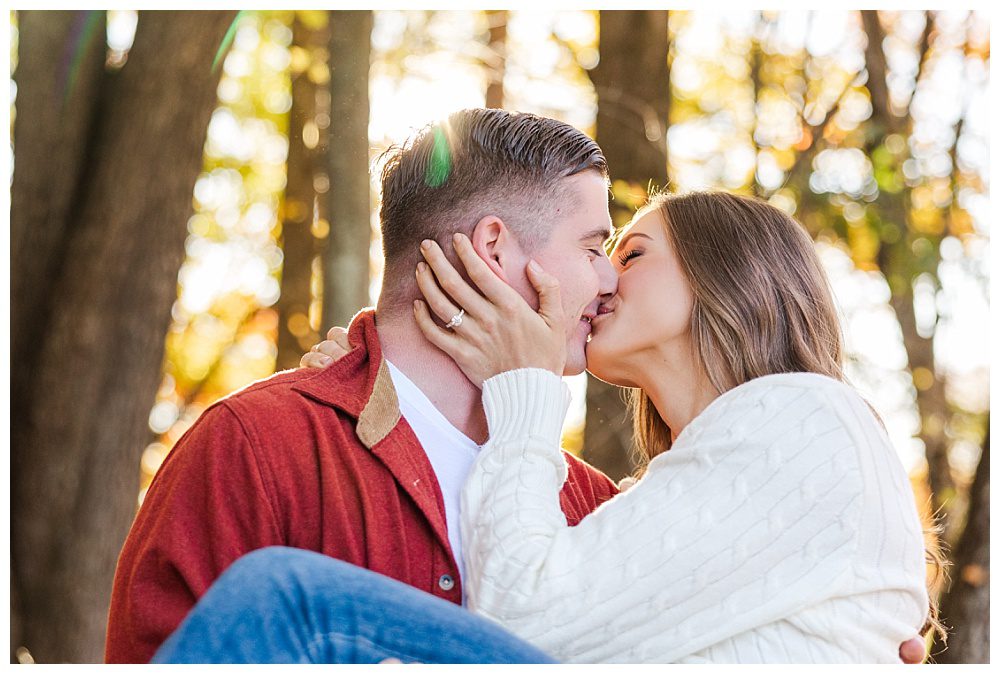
x=780 y=527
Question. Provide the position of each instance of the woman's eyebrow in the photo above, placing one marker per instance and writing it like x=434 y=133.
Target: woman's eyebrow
x=630 y=235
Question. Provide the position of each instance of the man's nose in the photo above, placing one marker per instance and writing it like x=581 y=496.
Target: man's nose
x=607 y=277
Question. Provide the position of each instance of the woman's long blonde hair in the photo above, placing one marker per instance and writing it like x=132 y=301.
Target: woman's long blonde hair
x=762 y=304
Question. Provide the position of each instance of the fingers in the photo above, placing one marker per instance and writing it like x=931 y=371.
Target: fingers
x=440 y=304
x=495 y=289
x=451 y=281
x=335 y=347
x=315 y=360
x=338 y=336
x=340 y=339
x=549 y=296
x=440 y=337
x=913 y=652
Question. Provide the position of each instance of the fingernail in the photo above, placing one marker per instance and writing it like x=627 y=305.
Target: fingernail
x=534 y=266
x=421 y=266
x=456 y=237
x=425 y=244
x=325 y=360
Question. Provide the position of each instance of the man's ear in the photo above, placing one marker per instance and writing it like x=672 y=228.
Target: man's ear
x=495 y=244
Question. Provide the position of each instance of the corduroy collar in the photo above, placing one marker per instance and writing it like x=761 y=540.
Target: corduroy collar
x=359 y=383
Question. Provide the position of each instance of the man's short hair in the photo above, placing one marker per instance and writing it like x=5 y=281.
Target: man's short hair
x=478 y=162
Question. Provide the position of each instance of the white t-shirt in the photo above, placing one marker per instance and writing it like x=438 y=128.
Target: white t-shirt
x=450 y=451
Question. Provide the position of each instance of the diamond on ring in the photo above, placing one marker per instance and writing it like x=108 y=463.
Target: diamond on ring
x=456 y=320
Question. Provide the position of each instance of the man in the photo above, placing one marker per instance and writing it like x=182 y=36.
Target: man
x=364 y=461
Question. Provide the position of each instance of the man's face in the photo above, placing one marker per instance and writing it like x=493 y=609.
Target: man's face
x=575 y=255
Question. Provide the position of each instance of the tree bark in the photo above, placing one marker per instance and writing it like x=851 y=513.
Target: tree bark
x=897 y=264
x=756 y=58
x=55 y=133
x=878 y=69
x=632 y=120
x=346 y=257
x=932 y=404
x=97 y=342
x=496 y=65
x=966 y=607
x=301 y=206
x=51 y=141
x=633 y=112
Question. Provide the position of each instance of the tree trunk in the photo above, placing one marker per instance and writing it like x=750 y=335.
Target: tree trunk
x=756 y=58
x=496 y=61
x=931 y=401
x=53 y=124
x=897 y=264
x=607 y=438
x=966 y=607
x=346 y=258
x=632 y=119
x=301 y=204
x=97 y=342
x=632 y=112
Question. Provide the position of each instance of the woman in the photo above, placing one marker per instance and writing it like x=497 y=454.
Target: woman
x=773 y=521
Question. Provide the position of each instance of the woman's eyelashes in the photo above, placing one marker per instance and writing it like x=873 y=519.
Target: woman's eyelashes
x=624 y=257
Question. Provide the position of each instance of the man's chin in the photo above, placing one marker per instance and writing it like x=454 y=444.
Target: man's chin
x=576 y=361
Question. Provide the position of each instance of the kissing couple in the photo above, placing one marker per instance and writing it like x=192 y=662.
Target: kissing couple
x=404 y=496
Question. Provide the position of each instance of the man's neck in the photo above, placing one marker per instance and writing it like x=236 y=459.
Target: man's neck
x=434 y=373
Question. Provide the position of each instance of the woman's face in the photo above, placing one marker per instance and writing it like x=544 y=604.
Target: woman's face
x=649 y=319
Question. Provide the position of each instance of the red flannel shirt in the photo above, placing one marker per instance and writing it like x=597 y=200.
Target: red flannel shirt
x=313 y=459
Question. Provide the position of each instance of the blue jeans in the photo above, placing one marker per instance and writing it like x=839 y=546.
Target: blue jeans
x=289 y=605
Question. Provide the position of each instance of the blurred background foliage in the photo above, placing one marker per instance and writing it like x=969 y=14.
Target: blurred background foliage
x=870 y=127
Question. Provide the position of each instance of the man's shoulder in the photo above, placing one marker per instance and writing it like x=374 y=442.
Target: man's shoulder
x=275 y=402
x=278 y=424
x=279 y=385
x=285 y=389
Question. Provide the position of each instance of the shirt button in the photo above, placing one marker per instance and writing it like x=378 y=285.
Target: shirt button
x=446 y=582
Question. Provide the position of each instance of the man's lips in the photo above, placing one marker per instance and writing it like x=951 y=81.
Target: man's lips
x=602 y=312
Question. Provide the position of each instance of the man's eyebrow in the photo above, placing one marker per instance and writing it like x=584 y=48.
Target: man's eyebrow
x=602 y=233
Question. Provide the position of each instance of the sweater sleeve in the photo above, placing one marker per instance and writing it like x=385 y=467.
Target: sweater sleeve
x=751 y=516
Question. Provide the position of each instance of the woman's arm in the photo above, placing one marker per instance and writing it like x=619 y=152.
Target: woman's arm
x=480 y=362
x=752 y=518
